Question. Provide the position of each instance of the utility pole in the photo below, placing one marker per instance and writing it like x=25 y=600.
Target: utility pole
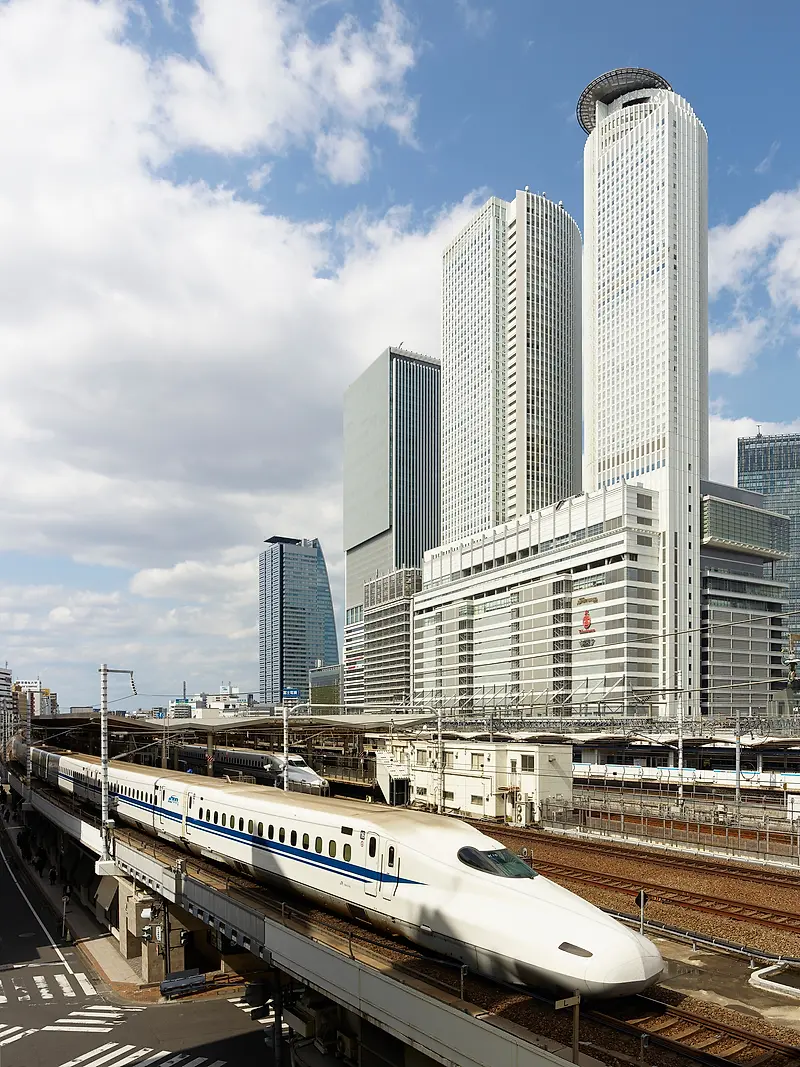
x=440 y=759
x=105 y=670
x=679 y=710
x=739 y=763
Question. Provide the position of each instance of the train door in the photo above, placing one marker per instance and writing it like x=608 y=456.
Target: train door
x=390 y=870
x=372 y=863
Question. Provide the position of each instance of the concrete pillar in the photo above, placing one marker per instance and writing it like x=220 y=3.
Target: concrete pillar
x=210 y=754
x=152 y=963
x=129 y=946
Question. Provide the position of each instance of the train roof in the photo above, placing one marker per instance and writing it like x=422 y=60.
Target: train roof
x=388 y=819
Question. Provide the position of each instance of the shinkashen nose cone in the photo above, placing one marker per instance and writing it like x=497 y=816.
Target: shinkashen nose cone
x=610 y=86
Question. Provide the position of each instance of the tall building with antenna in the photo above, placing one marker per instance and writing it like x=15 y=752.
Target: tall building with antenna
x=645 y=325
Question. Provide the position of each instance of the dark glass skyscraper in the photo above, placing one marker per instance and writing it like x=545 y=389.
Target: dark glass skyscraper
x=770 y=465
x=296 y=624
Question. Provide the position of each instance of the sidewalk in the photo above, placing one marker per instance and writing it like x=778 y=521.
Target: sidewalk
x=87 y=934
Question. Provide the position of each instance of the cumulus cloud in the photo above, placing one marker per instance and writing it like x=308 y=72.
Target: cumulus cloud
x=734 y=349
x=477 y=20
x=174 y=355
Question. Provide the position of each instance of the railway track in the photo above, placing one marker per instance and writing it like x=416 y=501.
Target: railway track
x=531 y=838
x=780 y=920
x=709 y=1041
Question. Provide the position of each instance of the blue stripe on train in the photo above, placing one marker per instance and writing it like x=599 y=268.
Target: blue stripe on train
x=311 y=859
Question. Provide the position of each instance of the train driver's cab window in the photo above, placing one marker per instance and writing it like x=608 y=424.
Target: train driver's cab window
x=390 y=860
x=373 y=847
x=498 y=861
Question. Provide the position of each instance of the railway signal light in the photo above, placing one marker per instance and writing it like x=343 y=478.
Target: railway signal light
x=147 y=934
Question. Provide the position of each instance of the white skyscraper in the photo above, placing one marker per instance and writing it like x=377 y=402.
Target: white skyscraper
x=511 y=384
x=645 y=325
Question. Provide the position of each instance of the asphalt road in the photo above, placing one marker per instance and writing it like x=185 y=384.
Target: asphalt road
x=56 y=1012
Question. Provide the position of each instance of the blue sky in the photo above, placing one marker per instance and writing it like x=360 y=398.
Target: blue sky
x=220 y=211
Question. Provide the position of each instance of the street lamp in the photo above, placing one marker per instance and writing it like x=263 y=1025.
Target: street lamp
x=105 y=670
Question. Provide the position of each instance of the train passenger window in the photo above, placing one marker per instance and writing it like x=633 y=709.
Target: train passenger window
x=271 y=832
x=332 y=848
x=260 y=830
x=241 y=825
x=318 y=845
x=224 y=819
x=347 y=851
x=390 y=861
x=373 y=844
x=190 y=803
x=215 y=816
x=199 y=813
x=249 y=826
x=293 y=838
x=305 y=841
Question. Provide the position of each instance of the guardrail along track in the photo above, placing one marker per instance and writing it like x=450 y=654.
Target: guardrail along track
x=780 y=920
x=710 y=1041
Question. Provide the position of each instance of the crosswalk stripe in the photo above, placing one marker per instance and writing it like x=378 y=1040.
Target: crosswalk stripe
x=88 y=1055
x=134 y=1058
x=153 y=1059
x=217 y=1063
x=80 y=1029
x=22 y=992
x=108 y=1017
x=118 y=1050
x=98 y=1008
x=41 y=986
x=175 y=1060
x=16 y=1037
x=63 y=984
x=6 y=1030
x=3 y=997
x=85 y=984
x=195 y=1063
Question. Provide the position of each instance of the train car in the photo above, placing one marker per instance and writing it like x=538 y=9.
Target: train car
x=266 y=767
x=441 y=883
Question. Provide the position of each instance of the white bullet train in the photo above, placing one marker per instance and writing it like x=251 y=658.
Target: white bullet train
x=266 y=767
x=439 y=882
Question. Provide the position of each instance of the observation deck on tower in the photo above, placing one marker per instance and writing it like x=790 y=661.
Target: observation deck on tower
x=611 y=86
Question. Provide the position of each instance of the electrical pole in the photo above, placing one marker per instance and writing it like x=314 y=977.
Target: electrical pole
x=739 y=763
x=105 y=670
x=679 y=709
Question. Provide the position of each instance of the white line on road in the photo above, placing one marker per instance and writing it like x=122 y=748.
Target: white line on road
x=107 y=1016
x=63 y=984
x=16 y=1037
x=134 y=1058
x=5 y=1030
x=175 y=1060
x=85 y=984
x=56 y=949
x=22 y=992
x=153 y=1059
x=88 y=1055
x=80 y=1029
x=3 y=997
x=41 y=985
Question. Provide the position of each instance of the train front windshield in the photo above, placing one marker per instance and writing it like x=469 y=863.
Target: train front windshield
x=499 y=861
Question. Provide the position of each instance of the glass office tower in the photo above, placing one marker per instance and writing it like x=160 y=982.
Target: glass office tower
x=770 y=465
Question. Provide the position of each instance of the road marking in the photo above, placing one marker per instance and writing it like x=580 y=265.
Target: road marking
x=153 y=1059
x=55 y=947
x=101 y=1017
x=118 y=1050
x=111 y=1007
x=22 y=992
x=88 y=1055
x=175 y=1060
x=63 y=983
x=3 y=997
x=194 y=1063
x=80 y=1029
x=41 y=986
x=6 y=1030
x=85 y=984
x=16 y=1037
x=134 y=1058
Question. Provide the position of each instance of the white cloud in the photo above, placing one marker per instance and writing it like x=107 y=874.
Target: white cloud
x=258 y=178
x=343 y=157
x=173 y=356
x=734 y=350
x=477 y=20
x=766 y=162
